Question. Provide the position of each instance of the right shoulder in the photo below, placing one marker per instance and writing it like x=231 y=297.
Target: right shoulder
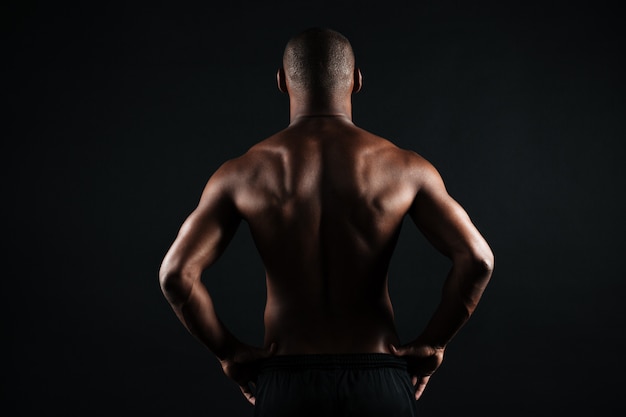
x=420 y=167
x=406 y=164
x=421 y=173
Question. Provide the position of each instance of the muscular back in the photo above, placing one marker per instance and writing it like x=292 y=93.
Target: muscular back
x=325 y=200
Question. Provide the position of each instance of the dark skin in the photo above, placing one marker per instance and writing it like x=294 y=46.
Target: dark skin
x=325 y=201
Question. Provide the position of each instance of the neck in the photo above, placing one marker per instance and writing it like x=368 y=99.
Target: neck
x=320 y=107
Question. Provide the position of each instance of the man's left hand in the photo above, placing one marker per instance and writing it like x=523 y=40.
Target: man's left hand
x=243 y=367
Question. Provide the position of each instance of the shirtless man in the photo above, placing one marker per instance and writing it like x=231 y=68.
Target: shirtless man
x=325 y=201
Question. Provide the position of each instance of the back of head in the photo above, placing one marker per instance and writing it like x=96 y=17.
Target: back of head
x=319 y=60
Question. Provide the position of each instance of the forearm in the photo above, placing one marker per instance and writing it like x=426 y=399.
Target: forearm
x=194 y=307
x=461 y=293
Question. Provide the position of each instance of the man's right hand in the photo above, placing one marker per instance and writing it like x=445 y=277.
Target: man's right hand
x=242 y=366
x=422 y=361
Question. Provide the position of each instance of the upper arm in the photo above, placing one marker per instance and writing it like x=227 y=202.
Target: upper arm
x=443 y=221
x=207 y=231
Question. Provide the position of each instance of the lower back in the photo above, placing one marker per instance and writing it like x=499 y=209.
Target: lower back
x=320 y=324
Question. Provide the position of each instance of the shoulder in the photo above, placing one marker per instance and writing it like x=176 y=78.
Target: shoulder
x=401 y=160
x=245 y=168
x=421 y=172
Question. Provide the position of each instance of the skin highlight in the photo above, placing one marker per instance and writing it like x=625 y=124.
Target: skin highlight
x=325 y=201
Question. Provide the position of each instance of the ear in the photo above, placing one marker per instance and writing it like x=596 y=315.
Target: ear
x=281 y=80
x=358 y=81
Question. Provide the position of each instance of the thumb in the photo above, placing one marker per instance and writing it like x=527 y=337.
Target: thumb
x=394 y=350
x=271 y=351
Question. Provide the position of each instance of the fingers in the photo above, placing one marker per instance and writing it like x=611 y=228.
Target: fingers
x=244 y=368
x=246 y=362
x=247 y=392
x=420 y=386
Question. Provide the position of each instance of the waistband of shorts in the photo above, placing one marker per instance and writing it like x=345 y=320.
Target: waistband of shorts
x=332 y=362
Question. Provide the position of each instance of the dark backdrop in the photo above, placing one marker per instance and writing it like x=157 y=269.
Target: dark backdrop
x=116 y=115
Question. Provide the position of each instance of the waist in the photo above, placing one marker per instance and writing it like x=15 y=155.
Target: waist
x=314 y=332
x=332 y=362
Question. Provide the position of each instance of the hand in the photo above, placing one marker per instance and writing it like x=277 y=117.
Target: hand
x=422 y=361
x=242 y=366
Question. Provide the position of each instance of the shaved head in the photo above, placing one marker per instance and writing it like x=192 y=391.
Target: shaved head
x=319 y=60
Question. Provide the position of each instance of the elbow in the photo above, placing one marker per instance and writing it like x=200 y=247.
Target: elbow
x=471 y=273
x=168 y=278
x=175 y=284
x=481 y=259
x=484 y=262
x=478 y=263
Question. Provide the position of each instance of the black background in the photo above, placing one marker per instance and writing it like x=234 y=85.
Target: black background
x=116 y=114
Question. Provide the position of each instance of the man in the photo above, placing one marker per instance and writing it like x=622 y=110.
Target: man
x=325 y=201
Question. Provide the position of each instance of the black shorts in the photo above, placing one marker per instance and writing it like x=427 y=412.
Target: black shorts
x=364 y=385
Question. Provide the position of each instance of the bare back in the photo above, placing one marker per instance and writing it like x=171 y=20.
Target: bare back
x=325 y=200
